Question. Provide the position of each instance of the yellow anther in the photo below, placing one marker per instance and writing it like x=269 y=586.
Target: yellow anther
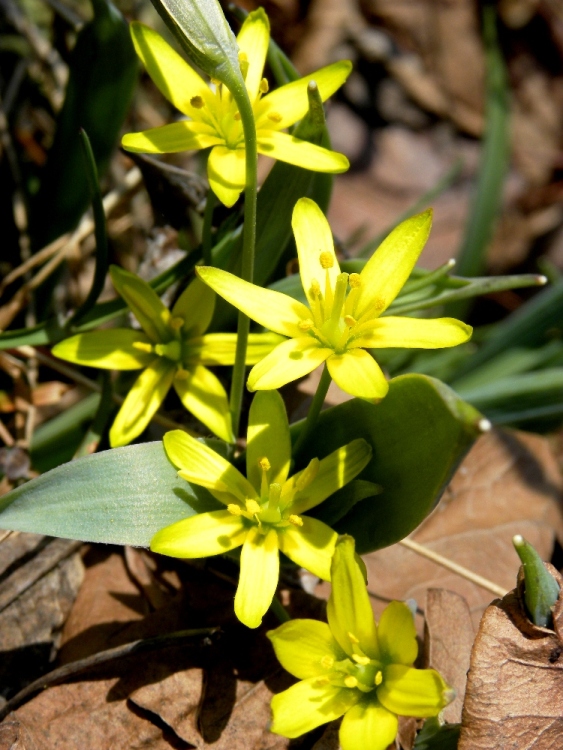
x=327 y=662
x=176 y=323
x=216 y=82
x=265 y=464
x=350 y=682
x=142 y=346
x=275 y=116
x=350 y=321
x=306 y=325
x=197 y=102
x=234 y=509
x=354 y=280
x=316 y=288
x=295 y=520
x=363 y=660
x=378 y=305
x=242 y=57
x=326 y=259
x=182 y=374
x=237 y=116
x=353 y=638
x=264 y=86
x=320 y=681
x=378 y=677
x=252 y=507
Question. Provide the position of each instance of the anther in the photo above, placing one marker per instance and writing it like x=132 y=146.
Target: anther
x=176 y=323
x=295 y=520
x=353 y=638
x=355 y=280
x=378 y=677
x=326 y=259
x=350 y=682
x=236 y=116
x=316 y=289
x=197 y=102
x=182 y=374
x=327 y=662
x=142 y=346
x=363 y=660
x=252 y=507
x=242 y=57
x=275 y=116
x=234 y=509
x=321 y=681
x=306 y=325
x=264 y=464
x=264 y=86
x=350 y=321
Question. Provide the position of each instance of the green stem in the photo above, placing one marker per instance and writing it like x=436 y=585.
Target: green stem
x=206 y=234
x=248 y=247
x=314 y=411
x=279 y=610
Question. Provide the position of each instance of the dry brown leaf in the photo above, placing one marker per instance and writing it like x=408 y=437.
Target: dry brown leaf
x=514 y=695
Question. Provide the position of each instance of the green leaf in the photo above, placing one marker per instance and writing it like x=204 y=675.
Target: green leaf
x=120 y=496
x=434 y=736
x=541 y=590
x=419 y=434
x=103 y=72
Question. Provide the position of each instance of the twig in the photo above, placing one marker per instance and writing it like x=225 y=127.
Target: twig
x=454 y=567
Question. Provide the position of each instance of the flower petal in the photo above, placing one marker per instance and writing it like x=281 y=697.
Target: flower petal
x=169 y=139
x=386 y=272
x=285 y=147
x=349 y=610
x=276 y=311
x=112 y=349
x=259 y=574
x=267 y=437
x=141 y=402
x=177 y=80
x=253 y=39
x=220 y=348
x=335 y=470
x=195 y=306
x=201 y=465
x=368 y=726
x=203 y=395
x=313 y=236
x=415 y=333
x=357 y=373
x=300 y=646
x=413 y=692
x=288 y=361
x=226 y=172
x=202 y=535
x=311 y=546
x=291 y=103
x=397 y=635
x=144 y=303
x=307 y=705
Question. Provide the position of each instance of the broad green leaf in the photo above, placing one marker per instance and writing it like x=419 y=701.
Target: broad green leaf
x=120 y=496
x=419 y=433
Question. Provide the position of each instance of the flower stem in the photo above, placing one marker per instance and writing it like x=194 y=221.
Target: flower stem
x=314 y=411
x=279 y=610
x=206 y=237
x=248 y=247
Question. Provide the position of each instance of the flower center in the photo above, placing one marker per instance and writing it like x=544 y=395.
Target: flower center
x=357 y=672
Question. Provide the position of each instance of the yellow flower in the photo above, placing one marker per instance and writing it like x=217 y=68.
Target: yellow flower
x=172 y=349
x=214 y=118
x=344 y=316
x=353 y=667
x=264 y=510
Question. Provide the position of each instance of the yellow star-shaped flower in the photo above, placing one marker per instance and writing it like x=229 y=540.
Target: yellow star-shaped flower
x=353 y=667
x=214 y=118
x=345 y=312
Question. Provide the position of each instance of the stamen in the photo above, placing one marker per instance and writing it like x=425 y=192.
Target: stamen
x=327 y=662
x=350 y=321
x=275 y=117
x=197 y=102
x=236 y=116
x=142 y=346
x=363 y=660
x=326 y=259
x=236 y=510
x=352 y=638
x=244 y=64
x=355 y=280
x=265 y=466
x=306 y=325
x=182 y=374
x=295 y=520
x=171 y=350
x=378 y=677
x=176 y=323
x=252 y=507
x=307 y=475
x=350 y=682
x=274 y=495
x=321 y=681
x=264 y=86
x=339 y=296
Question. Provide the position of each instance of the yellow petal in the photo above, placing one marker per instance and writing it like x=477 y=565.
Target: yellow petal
x=169 y=139
x=141 y=402
x=202 y=535
x=397 y=635
x=386 y=272
x=276 y=311
x=259 y=574
x=201 y=465
x=413 y=692
x=288 y=361
x=335 y=470
x=253 y=39
x=357 y=373
x=308 y=704
x=172 y=75
x=349 y=610
x=143 y=302
x=220 y=348
x=311 y=546
x=291 y=101
x=226 y=172
x=267 y=437
x=313 y=237
x=203 y=395
x=301 y=646
x=195 y=306
x=113 y=349
x=285 y=147
x=368 y=726
x=415 y=333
